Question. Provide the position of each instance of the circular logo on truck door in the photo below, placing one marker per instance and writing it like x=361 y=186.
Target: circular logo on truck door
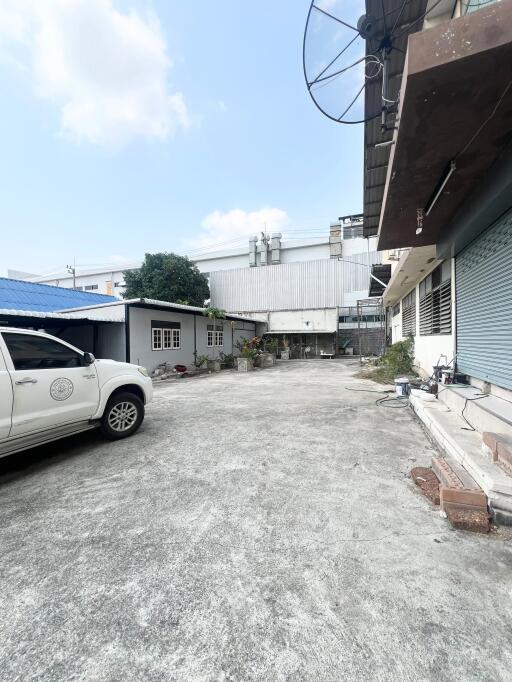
x=61 y=389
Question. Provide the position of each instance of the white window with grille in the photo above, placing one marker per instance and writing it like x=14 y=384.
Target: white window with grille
x=215 y=336
x=436 y=301
x=167 y=339
x=165 y=335
x=409 y=314
x=156 y=336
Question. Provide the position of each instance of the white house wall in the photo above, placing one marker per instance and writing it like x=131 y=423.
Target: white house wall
x=105 y=281
x=141 y=342
x=428 y=349
x=307 y=321
x=111 y=312
x=230 y=262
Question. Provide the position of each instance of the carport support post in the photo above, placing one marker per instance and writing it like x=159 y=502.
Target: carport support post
x=127 y=331
x=95 y=334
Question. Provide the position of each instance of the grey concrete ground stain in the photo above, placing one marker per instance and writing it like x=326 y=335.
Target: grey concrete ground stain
x=259 y=527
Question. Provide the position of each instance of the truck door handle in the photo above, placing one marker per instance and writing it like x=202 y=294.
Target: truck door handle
x=26 y=381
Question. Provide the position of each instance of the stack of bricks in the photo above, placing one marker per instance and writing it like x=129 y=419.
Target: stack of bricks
x=461 y=498
x=499 y=449
x=427 y=482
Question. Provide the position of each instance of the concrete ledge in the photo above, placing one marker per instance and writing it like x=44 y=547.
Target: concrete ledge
x=447 y=429
x=489 y=413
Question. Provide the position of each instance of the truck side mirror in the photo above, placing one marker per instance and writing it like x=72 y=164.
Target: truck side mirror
x=89 y=358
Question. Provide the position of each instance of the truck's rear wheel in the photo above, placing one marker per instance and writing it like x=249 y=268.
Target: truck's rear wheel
x=123 y=415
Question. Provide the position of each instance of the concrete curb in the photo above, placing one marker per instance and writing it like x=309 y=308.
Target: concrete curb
x=446 y=428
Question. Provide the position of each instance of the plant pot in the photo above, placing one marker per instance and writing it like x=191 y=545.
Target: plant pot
x=213 y=365
x=244 y=364
x=264 y=360
x=285 y=354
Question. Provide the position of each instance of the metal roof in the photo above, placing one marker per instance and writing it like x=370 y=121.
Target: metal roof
x=382 y=272
x=153 y=303
x=36 y=315
x=18 y=295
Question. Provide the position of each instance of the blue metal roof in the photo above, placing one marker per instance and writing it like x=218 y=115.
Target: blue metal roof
x=16 y=294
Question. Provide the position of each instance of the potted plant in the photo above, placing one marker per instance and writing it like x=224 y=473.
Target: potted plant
x=271 y=347
x=245 y=361
x=248 y=353
x=214 y=314
x=200 y=360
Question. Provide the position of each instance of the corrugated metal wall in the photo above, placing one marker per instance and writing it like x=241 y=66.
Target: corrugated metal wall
x=484 y=305
x=291 y=286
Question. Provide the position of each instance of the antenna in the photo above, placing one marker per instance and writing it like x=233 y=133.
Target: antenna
x=342 y=56
x=72 y=271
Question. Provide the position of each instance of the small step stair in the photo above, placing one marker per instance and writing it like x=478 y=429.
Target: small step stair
x=498 y=448
x=457 y=489
x=491 y=473
x=485 y=412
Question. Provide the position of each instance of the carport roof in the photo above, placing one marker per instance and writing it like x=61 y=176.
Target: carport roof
x=18 y=295
x=37 y=315
x=153 y=303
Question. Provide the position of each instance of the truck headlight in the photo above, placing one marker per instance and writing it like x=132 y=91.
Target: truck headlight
x=143 y=371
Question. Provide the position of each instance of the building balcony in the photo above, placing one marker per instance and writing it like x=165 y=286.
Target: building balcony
x=454 y=119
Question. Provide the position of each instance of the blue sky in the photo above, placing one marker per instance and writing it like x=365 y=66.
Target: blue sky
x=132 y=126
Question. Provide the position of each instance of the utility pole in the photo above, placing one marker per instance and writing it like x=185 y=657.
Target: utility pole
x=72 y=271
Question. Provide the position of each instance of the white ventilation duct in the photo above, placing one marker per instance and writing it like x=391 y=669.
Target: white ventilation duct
x=264 y=249
x=252 y=251
x=275 y=246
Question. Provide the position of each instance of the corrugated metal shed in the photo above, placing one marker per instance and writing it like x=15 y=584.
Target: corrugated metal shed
x=291 y=286
x=18 y=295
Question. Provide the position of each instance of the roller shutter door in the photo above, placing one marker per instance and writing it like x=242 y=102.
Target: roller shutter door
x=484 y=305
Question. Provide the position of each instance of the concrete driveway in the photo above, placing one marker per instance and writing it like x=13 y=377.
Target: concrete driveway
x=259 y=527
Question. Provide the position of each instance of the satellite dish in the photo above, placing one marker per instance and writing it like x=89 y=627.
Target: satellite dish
x=343 y=55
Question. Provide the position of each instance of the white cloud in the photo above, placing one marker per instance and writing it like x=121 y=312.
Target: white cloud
x=223 y=229
x=107 y=71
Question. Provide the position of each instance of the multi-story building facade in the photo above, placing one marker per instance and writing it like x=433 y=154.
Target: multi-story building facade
x=302 y=290
x=438 y=194
x=101 y=280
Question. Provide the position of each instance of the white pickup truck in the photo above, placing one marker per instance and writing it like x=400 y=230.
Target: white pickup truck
x=50 y=390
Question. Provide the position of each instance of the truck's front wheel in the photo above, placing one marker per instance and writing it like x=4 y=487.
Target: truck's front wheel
x=123 y=415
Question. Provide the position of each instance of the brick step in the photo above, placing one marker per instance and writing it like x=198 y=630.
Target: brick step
x=449 y=432
x=498 y=447
x=458 y=490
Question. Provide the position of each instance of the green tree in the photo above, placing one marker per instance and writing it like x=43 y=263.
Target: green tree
x=167 y=277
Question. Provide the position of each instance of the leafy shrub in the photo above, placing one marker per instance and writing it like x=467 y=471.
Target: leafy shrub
x=227 y=359
x=200 y=360
x=398 y=359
